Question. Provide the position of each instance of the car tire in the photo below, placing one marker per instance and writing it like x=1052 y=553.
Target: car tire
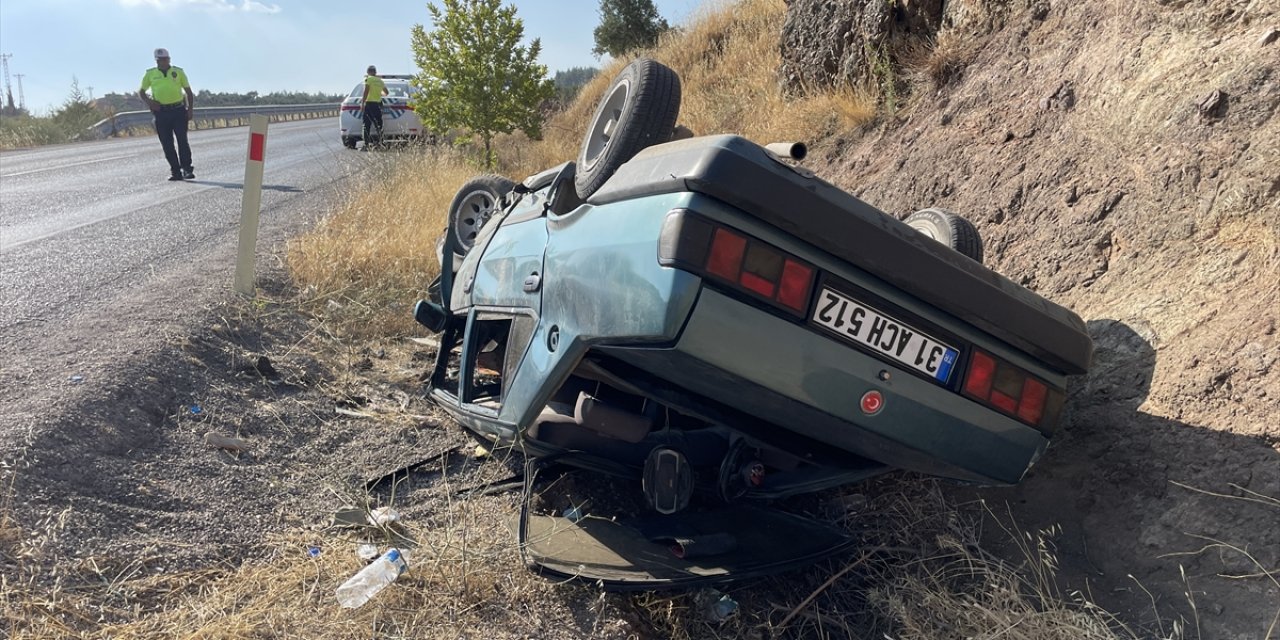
x=639 y=109
x=477 y=201
x=949 y=229
x=349 y=142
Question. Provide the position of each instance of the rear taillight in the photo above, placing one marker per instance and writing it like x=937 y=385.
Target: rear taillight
x=1031 y=405
x=725 y=259
x=737 y=260
x=793 y=292
x=982 y=370
x=1011 y=390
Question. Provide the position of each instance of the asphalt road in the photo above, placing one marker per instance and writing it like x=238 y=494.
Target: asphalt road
x=100 y=253
x=77 y=219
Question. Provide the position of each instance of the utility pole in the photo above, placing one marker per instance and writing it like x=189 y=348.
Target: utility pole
x=22 y=99
x=89 y=88
x=8 y=86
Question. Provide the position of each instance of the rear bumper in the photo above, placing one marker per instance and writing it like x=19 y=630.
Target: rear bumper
x=400 y=124
x=812 y=385
x=743 y=175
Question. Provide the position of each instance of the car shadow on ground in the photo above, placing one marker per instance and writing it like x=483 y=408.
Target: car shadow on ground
x=237 y=185
x=1140 y=529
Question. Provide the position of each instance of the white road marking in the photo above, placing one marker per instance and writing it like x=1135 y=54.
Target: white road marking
x=65 y=166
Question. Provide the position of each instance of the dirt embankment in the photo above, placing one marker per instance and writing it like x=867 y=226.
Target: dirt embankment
x=1122 y=159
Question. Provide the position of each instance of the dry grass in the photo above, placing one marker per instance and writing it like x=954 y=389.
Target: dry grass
x=955 y=584
x=934 y=64
x=375 y=255
x=924 y=575
x=919 y=573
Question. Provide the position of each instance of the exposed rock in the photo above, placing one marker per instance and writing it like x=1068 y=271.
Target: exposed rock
x=826 y=43
x=1062 y=99
x=1213 y=105
x=219 y=441
x=1270 y=36
x=1040 y=10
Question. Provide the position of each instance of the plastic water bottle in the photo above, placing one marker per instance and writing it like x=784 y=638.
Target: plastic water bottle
x=370 y=580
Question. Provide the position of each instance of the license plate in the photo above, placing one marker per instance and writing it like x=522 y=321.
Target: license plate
x=873 y=329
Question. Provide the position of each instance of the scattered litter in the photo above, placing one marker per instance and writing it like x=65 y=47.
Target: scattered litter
x=373 y=578
x=352 y=412
x=367 y=551
x=574 y=514
x=196 y=410
x=314 y=552
x=217 y=440
x=349 y=516
x=333 y=305
x=715 y=606
x=384 y=516
x=480 y=452
x=76 y=379
x=426 y=342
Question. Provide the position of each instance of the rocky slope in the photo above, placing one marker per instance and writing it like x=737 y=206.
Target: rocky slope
x=1122 y=159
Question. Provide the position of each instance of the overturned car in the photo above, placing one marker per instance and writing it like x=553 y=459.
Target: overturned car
x=709 y=319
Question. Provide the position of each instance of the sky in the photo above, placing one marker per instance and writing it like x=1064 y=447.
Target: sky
x=252 y=45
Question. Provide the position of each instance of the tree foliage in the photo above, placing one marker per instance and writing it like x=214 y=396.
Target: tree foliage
x=570 y=81
x=627 y=25
x=67 y=123
x=117 y=102
x=76 y=113
x=474 y=73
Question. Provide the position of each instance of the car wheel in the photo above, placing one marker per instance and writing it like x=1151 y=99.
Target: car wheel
x=349 y=142
x=477 y=201
x=949 y=229
x=638 y=110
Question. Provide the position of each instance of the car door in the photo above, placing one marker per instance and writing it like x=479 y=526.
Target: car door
x=496 y=300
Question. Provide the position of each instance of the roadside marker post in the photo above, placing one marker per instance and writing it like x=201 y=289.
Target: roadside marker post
x=252 y=203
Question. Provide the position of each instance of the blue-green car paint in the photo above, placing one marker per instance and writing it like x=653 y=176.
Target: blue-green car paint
x=589 y=281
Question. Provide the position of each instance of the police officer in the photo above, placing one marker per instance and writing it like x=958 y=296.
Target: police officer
x=374 y=89
x=172 y=111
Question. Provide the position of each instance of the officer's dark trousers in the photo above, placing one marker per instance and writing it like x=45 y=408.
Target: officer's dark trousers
x=372 y=123
x=171 y=123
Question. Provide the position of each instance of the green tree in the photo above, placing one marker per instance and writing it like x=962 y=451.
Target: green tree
x=475 y=74
x=627 y=25
x=570 y=81
x=76 y=114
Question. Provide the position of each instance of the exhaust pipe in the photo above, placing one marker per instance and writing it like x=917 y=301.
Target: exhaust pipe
x=788 y=150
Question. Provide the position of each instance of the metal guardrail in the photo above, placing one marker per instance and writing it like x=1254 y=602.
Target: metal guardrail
x=211 y=116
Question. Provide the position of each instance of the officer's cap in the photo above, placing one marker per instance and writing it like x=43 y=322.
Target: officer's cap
x=162 y=53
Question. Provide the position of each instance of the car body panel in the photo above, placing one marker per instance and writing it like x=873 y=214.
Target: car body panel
x=568 y=295
x=599 y=283
x=793 y=201
x=918 y=428
x=601 y=287
x=636 y=554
